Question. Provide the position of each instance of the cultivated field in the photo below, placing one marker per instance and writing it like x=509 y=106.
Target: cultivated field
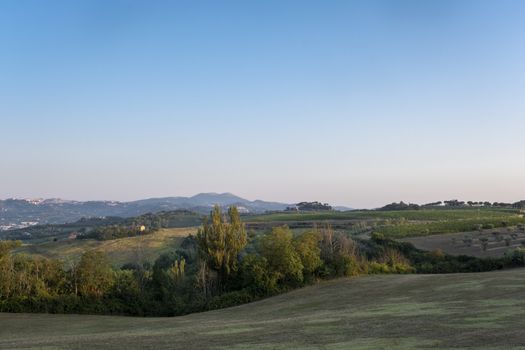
x=119 y=251
x=458 y=311
x=393 y=224
x=497 y=242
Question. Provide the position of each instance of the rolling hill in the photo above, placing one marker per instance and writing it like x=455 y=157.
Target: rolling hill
x=47 y=232
x=119 y=251
x=455 y=311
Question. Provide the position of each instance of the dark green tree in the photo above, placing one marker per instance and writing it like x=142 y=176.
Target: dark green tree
x=94 y=274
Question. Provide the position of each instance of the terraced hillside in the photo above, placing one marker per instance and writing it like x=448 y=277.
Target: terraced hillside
x=459 y=311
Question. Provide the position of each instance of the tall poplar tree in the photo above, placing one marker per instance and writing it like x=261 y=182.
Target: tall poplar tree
x=221 y=238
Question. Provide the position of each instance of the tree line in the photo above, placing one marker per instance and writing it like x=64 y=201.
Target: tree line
x=453 y=203
x=223 y=265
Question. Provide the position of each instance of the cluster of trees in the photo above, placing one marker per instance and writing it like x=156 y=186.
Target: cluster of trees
x=310 y=206
x=519 y=204
x=221 y=266
x=486 y=204
x=400 y=206
x=483 y=204
x=173 y=218
x=106 y=233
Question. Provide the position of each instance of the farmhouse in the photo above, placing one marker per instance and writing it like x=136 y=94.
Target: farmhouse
x=72 y=235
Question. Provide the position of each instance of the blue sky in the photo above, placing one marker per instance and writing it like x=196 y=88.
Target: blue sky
x=356 y=103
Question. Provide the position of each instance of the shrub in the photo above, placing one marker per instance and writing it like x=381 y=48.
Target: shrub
x=516 y=257
x=231 y=299
x=256 y=275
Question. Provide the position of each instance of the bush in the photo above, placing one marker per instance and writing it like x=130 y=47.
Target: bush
x=231 y=299
x=516 y=257
x=256 y=275
x=375 y=268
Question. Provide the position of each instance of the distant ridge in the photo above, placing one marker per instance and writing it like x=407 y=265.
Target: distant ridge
x=22 y=212
x=15 y=212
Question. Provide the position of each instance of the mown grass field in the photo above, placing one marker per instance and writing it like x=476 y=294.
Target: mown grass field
x=119 y=251
x=456 y=311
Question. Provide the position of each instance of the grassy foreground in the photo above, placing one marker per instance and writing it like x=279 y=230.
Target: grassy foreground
x=459 y=311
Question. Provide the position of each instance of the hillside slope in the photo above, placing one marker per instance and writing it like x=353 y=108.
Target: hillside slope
x=483 y=310
x=119 y=251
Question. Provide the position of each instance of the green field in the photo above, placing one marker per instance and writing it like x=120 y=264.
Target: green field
x=119 y=251
x=416 y=215
x=458 y=311
x=393 y=224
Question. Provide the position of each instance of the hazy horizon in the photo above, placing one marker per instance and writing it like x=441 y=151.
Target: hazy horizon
x=354 y=103
x=254 y=199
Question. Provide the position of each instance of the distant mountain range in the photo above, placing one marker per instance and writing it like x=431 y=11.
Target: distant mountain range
x=16 y=213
